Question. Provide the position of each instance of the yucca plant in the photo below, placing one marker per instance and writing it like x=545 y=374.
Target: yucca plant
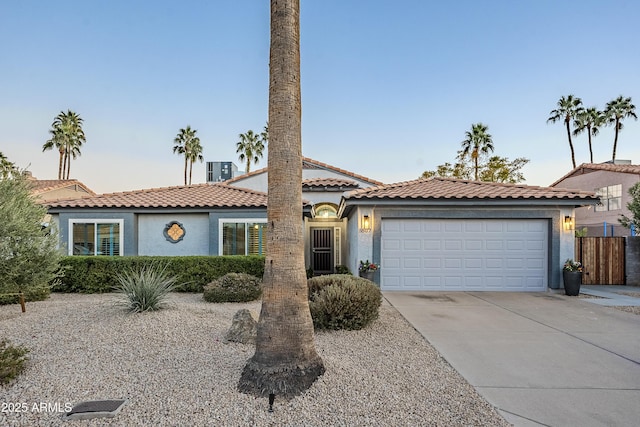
x=145 y=288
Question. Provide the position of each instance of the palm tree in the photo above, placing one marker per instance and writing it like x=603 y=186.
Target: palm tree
x=590 y=120
x=568 y=109
x=477 y=141
x=285 y=361
x=7 y=168
x=67 y=137
x=185 y=142
x=250 y=147
x=194 y=153
x=616 y=111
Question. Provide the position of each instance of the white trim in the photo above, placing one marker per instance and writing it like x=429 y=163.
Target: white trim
x=222 y=221
x=73 y=221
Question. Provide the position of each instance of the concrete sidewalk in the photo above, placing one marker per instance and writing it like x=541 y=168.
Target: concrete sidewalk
x=540 y=358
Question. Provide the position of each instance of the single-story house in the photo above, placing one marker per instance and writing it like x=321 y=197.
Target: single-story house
x=611 y=183
x=428 y=234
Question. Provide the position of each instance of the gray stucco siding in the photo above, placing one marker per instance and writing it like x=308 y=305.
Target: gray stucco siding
x=152 y=241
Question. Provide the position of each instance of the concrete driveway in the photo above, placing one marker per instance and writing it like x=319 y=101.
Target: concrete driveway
x=540 y=358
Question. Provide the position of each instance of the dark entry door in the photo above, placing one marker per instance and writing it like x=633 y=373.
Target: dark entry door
x=322 y=250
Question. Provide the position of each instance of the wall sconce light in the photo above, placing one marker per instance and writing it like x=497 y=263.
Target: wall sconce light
x=365 y=226
x=568 y=223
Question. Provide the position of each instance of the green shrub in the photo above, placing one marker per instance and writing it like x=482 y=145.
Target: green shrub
x=30 y=294
x=233 y=287
x=12 y=361
x=342 y=269
x=340 y=301
x=97 y=274
x=145 y=288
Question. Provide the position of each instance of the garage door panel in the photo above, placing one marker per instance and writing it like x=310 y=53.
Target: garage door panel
x=464 y=254
x=412 y=245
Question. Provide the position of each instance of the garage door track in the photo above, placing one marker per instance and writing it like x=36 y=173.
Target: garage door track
x=540 y=358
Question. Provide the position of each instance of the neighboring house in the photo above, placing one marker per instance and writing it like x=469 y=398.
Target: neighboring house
x=440 y=234
x=611 y=182
x=52 y=189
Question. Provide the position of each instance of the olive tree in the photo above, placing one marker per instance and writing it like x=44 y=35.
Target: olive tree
x=29 y=253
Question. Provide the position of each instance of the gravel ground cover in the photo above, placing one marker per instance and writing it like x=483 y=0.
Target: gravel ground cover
x=174 y=369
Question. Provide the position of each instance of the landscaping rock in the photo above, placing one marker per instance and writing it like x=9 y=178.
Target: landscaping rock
x=244 y=328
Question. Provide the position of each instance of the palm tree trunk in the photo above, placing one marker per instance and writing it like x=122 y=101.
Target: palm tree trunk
x=590 y=146
x=615 y=141
x=64 y=166
x=190 y=171
x=285 y=362
x=60 y=161
x=185 y=168
x=68 y=166
x=573 y=154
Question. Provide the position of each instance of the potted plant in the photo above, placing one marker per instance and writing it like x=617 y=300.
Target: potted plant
x=572 y=277
x=367 y=269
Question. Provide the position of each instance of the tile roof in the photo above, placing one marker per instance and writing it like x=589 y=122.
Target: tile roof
x=308 y=163
x=190 y=196
x=329 y=182
x=39 y=186
x=436 y=188
x=594 y=167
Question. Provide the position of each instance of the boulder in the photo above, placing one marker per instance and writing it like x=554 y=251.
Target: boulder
x=244 y=328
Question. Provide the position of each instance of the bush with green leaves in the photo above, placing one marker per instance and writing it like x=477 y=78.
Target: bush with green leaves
x=233 y=287
x=145 y=288
x=340 y=301
x=97 y=274
x=29 y=253
x=12 y=361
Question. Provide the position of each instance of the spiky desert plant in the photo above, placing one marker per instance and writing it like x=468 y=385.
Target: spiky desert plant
x=12 y=360
x=145 y=288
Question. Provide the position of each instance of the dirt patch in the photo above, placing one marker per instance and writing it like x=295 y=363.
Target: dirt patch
x=627 y=309
x=630 y=294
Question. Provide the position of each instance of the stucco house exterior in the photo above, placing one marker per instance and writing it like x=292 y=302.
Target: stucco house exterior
x=52 y=189
x=436 y=233
x=611 y=183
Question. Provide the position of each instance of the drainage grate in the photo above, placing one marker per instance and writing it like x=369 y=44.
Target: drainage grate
x=95 y=409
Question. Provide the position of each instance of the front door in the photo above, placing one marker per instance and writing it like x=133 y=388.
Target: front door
x=322 y=250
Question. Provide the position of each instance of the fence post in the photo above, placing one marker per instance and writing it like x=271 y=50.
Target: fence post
x=605 y=229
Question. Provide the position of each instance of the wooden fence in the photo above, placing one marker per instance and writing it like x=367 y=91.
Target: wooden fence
x=603 y=259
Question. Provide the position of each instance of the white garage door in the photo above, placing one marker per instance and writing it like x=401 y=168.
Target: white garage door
x=464 y=254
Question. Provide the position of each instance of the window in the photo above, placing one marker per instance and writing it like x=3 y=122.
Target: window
x=240 y=237
x=95 y=237
x=610 y=198
x=325 y=211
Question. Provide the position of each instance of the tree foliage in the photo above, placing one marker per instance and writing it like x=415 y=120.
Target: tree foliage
x=29 y=253
x=490 y=169
x=615 y=112
x=634 y=207
x=568 y=109
x=251 y=147
x=7 y=168
x=67 y=137
x=186 y=143
x=477 y=142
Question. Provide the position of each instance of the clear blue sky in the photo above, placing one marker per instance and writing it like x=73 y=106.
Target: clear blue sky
x=388 y=87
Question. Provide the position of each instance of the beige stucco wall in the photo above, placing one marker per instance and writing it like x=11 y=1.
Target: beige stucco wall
x=587 y=216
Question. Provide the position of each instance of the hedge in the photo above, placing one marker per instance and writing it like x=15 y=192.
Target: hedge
x=96 y=274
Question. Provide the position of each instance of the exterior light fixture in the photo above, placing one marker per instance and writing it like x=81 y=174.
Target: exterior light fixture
x=365 y=225
x=568 y=223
